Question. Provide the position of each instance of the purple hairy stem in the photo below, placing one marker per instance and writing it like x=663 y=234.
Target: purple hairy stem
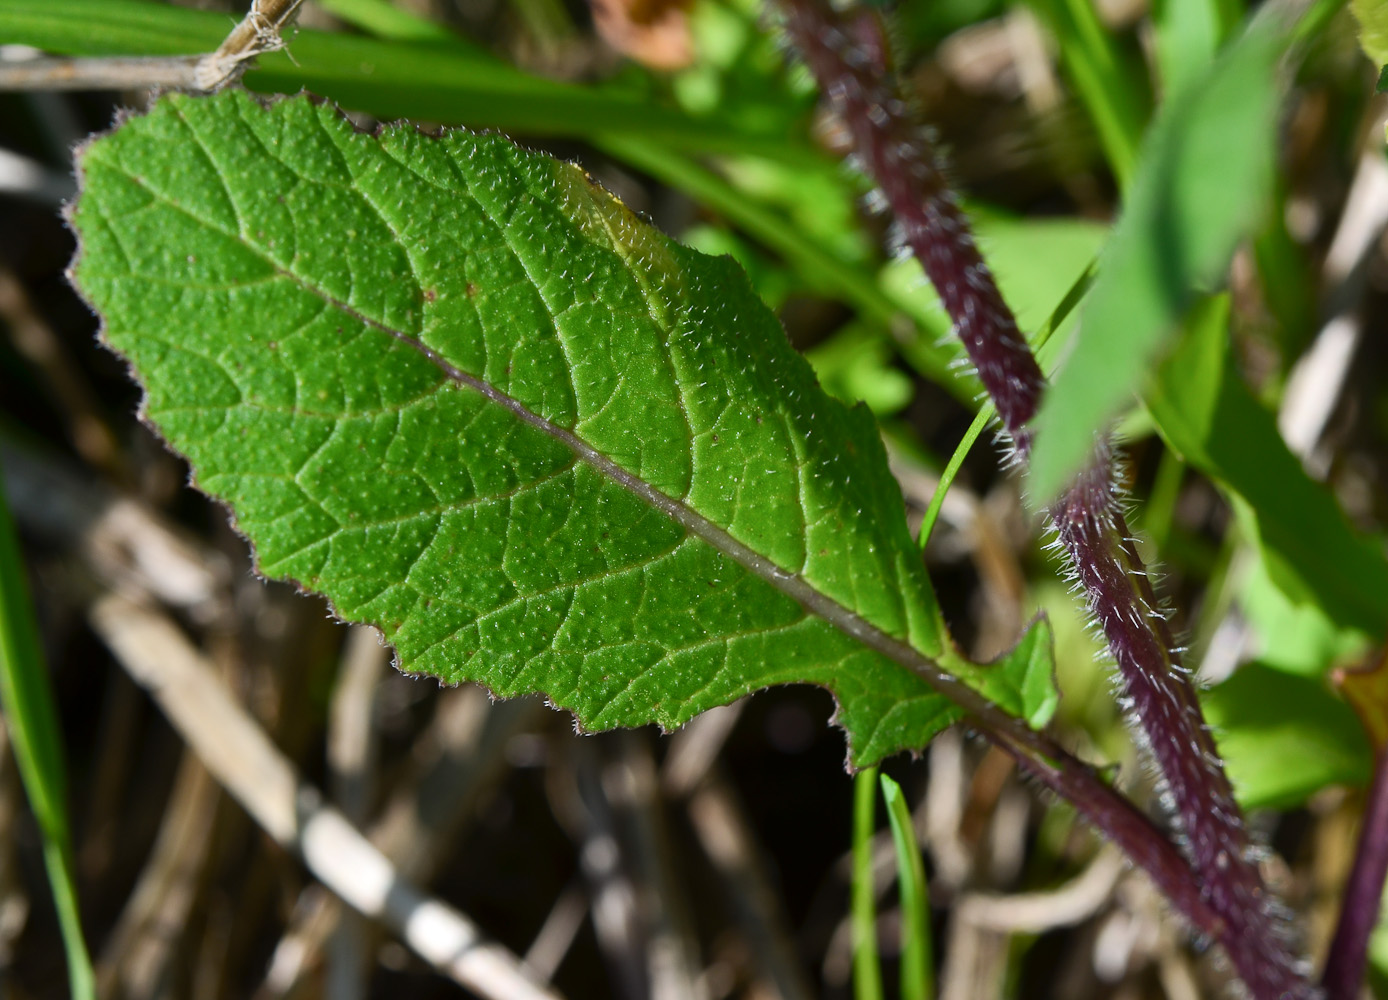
x=1343 y=976
x=1091 y=529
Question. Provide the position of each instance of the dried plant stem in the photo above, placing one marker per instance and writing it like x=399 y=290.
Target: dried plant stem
x=258 y=32
x=846 y=57
x=98 y=73
x=240 y=755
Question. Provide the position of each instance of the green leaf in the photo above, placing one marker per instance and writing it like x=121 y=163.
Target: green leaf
x=1208 y=415
x=1108 y=78
x=1283 y=737
x=467 y=395
x=31 y=721
x=1372 y=16
x=1206 y=175
x=867 y=963
x=1188 y=34
x=855 y=364
x=917 y=968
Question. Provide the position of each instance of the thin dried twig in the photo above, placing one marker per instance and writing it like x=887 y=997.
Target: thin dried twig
x=1318 y=378
x=457 y=759
x=128 y=546
x=546 y=953
x=238 y=752
x=136 y=957
x=728 y=841
x=694 y=749
x=1039 y=912
x=352 y=774
x=260 y=31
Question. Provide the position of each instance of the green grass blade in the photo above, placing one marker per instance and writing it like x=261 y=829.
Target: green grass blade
x=867 y=967
x=385 y=20
x=27 y=702
x=1108 y=80
x=917 y=965
x=956 y=462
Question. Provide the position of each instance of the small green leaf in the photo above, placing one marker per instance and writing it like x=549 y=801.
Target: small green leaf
x=33 y=735
x=1205 y=176
x=855 y=364
x=466 y=394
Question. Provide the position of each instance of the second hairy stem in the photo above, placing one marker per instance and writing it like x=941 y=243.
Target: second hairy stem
x=847 y=57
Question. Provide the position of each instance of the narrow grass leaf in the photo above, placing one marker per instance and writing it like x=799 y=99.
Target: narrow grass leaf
x=32 y=722
x=867 y=963
x=917 y=966
x=1108 y=78
x=385 y=20
x=466 y=394
x=1205 y=178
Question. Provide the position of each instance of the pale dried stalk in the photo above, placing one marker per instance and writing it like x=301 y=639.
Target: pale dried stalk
x=240 y=755
x=260 y=31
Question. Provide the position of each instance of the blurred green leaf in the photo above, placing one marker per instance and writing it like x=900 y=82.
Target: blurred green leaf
x=1038 y=261
x=1284 y=737
x=1294 y=636
x=1372 y=16
x=1205 y=178
x=925 y=25
x=855 y=364
x=1188 y=34
x=1207 y=415
x=385 y=20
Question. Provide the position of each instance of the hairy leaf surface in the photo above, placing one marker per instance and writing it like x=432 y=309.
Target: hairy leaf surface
x=466 y=394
